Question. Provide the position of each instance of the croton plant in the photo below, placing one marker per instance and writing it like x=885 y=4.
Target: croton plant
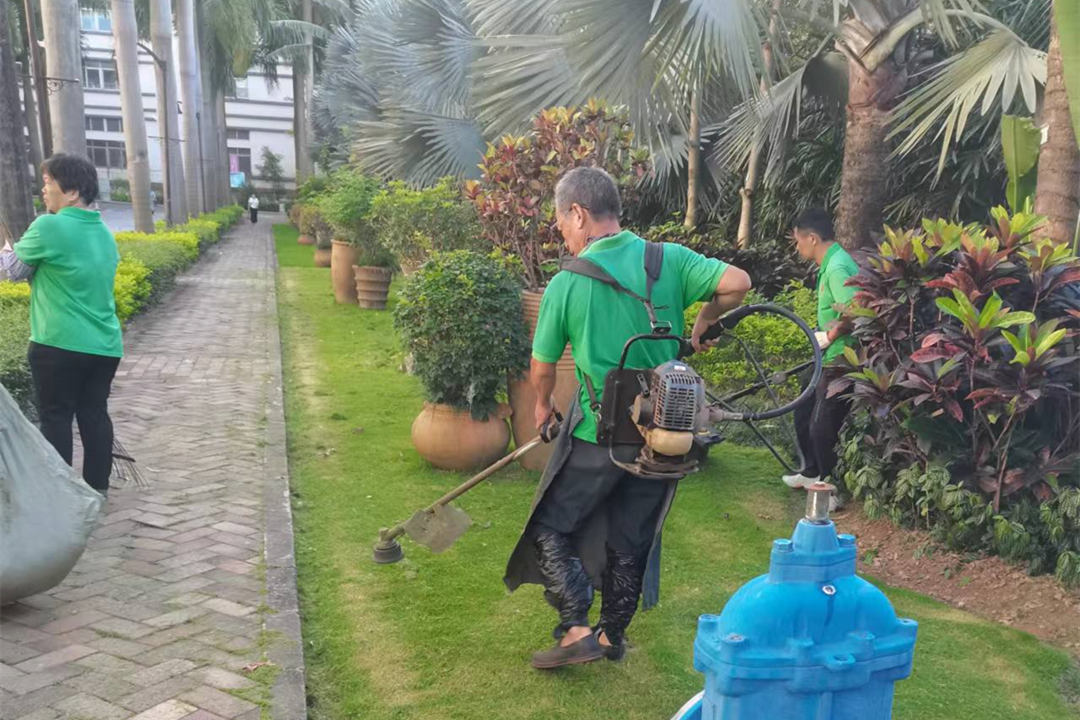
x=969 y=387
x=515 y=196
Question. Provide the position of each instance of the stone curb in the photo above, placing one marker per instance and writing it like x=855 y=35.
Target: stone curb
x=289 y=698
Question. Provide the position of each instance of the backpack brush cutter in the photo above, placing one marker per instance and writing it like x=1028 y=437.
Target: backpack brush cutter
x=665 y=410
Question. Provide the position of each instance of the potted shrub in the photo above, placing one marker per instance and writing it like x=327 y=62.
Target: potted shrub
x=515 y=203
x=307 y=216
x=346 y=208
x=413 y=223
x=459 y=316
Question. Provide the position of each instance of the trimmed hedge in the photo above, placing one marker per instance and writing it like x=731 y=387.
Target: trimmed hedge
x=149 y=263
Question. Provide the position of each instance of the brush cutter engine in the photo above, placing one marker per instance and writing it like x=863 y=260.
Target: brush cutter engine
x=668 y=412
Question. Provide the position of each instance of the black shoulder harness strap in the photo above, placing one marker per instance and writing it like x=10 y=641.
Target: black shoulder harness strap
x=654 y=261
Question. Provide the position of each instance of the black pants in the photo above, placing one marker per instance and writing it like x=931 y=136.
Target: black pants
x=76 y=385
x=588 y=482
x=254 y=215
x=817 y=427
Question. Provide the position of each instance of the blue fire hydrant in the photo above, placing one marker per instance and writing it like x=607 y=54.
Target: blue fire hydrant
x=809 y=641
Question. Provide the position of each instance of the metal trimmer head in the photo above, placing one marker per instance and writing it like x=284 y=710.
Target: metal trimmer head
x=387 y=551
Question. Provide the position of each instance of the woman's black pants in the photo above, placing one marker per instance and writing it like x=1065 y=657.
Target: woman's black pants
x=76 y=385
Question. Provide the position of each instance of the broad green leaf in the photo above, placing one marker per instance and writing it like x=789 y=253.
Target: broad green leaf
x=1067 y=14
x=1015 y=318
x=1016 y=343
x=1020 y=144
x=990 y=310
x=851 y=356
x=1049 y=341
x=950 y=306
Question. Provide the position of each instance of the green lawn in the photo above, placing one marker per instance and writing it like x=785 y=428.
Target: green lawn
x=290 y=253
x=437 y=636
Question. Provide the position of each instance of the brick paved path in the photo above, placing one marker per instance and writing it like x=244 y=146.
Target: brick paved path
x=184 y=586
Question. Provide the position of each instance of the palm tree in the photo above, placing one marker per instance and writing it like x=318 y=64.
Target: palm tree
x=1058 y=193
x=16 y=206
x=167 y=98
x=880 y=42
x=303 y=75
x=63 y=60
x=126 y=37
x=191 y=93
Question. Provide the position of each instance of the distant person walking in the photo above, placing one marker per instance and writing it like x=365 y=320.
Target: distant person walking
x=70 y=259
x=253 y=206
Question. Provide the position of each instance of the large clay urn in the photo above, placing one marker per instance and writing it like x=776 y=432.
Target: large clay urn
x=523 y=398
x=452 y=440
x=372 y=286
x=306 y=240
x=322 y=257
x=342 y=258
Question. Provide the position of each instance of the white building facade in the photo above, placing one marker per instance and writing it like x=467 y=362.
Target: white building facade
x=259 y=115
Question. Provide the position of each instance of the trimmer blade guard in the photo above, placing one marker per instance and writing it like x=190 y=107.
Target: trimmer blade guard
x=437 y=529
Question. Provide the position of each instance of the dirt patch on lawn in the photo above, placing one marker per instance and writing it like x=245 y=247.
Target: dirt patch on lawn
x=986 y=586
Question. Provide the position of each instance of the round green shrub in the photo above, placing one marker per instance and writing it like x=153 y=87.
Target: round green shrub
x=460 y=317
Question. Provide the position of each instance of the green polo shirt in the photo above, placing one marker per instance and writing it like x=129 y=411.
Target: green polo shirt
x=597 y=320
x=71 y=294
x=836 y=267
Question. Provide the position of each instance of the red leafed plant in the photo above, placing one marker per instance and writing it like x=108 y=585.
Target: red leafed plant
x=515 y=195
x=969 y=388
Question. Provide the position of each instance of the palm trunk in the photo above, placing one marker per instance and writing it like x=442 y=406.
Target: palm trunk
x=63 y=59
x=753 y=170
x=30 y=110
x=16 y=205
x=693 y=159
x=211 y=166
x=302 y=85
x=864 y=184
x=37 y=70
x=190 y=92
x=168 y=121
x=1058 y=193
x=222 y=148
x=126 y=36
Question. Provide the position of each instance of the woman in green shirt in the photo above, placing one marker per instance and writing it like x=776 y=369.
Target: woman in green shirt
x=818 y=423
x=70 y=259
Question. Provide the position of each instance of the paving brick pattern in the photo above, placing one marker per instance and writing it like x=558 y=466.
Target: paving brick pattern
x=187 y=583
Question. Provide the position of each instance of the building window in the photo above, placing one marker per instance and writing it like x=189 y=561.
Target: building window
x=240 y=160
x=238 y=134
x=104 y=124
x=241 y=90
x=99 y=74
x=96 y=20
x=107 y=153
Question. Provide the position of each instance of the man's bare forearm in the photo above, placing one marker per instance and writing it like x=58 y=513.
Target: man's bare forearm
x=542 y=379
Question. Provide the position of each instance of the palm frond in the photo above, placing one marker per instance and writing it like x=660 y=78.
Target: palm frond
x=769 y=120
x=1002 y=64
x=417 y=146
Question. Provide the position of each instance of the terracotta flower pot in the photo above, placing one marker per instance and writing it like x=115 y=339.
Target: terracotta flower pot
x=322 y=258
x=451 y=439
x=372 y=286
x=305 y=240
x=342 y=258
x=523 y=398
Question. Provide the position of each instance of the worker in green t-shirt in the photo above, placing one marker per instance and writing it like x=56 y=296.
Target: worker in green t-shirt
x=593 y=524
x=70 y=259
x=818 y=423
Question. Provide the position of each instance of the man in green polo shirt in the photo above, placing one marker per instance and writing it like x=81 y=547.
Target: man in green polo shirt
x=818 y=423
x=70 y=259
x=593 y=524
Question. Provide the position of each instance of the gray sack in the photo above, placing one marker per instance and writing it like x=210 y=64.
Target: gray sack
x=47 y=512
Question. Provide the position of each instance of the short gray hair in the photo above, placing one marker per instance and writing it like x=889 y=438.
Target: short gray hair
x=592 y=189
